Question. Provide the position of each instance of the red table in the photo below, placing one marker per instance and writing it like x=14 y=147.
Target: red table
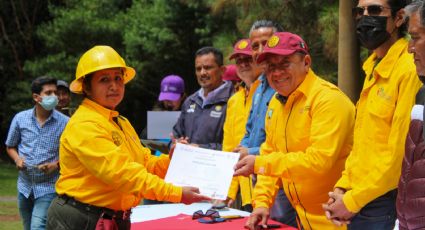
x=185 y=222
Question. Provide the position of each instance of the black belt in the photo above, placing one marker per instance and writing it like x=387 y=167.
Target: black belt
x=124 y=215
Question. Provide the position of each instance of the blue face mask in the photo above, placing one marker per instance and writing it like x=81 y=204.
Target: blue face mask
x=49 y=102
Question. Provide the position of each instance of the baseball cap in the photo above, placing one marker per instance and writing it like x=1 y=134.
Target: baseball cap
x=283 y=43
x=243 y=46
x=172 y=88
x=230 y=74
x=62 y=83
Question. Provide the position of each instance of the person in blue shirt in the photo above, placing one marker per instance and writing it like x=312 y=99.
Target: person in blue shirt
x=255 y=135
x=33 y=144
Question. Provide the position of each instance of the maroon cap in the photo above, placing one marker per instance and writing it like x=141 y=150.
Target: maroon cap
x=243 y=46
x=283 y=43
x=230 y=74
x=172 y=88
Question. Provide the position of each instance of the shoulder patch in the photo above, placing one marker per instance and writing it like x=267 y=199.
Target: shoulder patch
x=116 y=137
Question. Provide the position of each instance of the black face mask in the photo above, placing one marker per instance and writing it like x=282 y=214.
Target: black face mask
x=372 y=31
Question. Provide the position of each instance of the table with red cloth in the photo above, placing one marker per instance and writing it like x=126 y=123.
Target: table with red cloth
x=179 y=217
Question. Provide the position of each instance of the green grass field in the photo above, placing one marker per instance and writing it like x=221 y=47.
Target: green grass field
x=9 y=214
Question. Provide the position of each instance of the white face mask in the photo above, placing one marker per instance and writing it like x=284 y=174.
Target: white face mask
x=49 y=102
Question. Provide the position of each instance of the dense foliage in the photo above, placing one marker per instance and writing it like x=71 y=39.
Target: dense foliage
x=157 y=37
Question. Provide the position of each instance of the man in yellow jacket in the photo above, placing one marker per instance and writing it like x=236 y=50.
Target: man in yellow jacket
x=238 y=108
x=309 y=125
x=366 y=192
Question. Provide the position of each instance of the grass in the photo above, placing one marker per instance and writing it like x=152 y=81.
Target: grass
x=9 y=214
x=8 y=177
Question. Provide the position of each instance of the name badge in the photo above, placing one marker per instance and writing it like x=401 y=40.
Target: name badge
x=215 y=114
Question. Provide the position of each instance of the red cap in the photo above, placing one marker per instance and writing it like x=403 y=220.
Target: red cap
x=230 y=74
x=243 y=46
x=283 y=43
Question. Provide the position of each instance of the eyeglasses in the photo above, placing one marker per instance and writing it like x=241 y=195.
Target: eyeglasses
x=372 y=10
x=211 y=216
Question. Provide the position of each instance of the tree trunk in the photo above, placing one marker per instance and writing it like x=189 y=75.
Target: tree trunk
x=349 y=78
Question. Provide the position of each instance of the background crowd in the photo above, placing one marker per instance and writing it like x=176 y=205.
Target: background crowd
x=292 y=128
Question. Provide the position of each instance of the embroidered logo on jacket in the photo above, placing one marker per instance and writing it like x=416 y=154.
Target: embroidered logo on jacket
x=382 y=94
x=305 y=109
x=191 y=108
x=116 y=138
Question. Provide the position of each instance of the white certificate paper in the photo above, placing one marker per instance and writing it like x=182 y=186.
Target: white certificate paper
x=209 y=170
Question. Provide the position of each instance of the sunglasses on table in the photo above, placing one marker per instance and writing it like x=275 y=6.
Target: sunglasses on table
x=372 y=10
x=209 y=217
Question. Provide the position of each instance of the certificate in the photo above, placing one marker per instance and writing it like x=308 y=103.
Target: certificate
x=209 y=170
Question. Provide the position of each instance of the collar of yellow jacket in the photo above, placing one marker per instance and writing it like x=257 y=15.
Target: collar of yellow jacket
x=387 y=64
x=305 y=86
x=107 y=113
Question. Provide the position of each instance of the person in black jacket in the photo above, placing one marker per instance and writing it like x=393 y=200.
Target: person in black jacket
x=203 y=113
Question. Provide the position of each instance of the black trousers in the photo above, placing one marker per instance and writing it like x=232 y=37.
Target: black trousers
x=63 y=215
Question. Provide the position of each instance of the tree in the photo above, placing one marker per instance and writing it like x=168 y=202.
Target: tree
x=316 y=21
x=155 y=37
x=18 y=22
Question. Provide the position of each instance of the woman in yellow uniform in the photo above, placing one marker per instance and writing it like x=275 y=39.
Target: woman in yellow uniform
x=104 y=170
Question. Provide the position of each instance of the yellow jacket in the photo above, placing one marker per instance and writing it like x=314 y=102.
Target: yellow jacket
x=238 y=108
x=307 y=141
x=382 y=121
x=104 y=164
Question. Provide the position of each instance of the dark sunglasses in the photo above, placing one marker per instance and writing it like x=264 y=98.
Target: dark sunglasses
x=372 y=10
x=209 y=217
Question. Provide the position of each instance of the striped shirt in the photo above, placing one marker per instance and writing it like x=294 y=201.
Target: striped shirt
x=37 y=145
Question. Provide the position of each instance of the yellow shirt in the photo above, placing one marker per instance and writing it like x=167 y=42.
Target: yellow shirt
x=307 y=141
x=238 y=108
x=104 y=164
x=382 y=121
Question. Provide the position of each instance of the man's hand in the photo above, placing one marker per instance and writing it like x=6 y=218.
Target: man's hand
x=48 y=168
x=174 y=141
x=191 y=195
x=20 y=163
x=245 y=167
x=335 y=209
x=229 y=202
x=242 y=150
x=258 y=217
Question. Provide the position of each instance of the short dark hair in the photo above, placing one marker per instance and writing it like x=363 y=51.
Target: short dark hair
x=397 y=5
x=218 y=55
x=266 y=24
x=39 y=82
x=416 y=7
x=86 y=84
